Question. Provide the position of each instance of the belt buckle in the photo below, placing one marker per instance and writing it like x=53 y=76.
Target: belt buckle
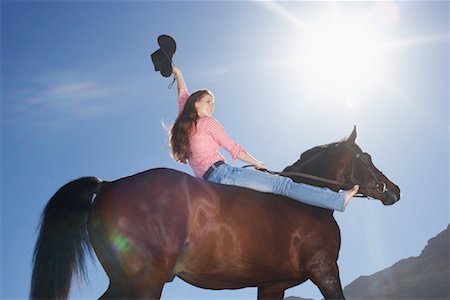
x=212 y=168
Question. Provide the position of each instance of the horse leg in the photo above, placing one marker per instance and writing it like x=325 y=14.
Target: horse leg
x=271 y=292
x=325 y=275
x=145 y=282
x=133 y=274
x=144 y=287
x=116 y=290
x=148 y=282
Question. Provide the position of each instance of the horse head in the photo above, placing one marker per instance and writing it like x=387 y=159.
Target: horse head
x=345 y=163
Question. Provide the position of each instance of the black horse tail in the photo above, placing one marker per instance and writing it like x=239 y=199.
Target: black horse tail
x=63 y=240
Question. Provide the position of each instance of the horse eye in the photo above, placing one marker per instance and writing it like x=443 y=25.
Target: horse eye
x=366 y=157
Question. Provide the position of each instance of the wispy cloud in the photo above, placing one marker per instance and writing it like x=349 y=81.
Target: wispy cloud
x=55 y=101
x=65 y=96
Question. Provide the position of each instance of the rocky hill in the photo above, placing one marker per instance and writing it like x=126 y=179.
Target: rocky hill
x=426 y=276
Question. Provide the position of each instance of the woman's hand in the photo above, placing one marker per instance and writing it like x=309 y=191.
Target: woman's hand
x=260 y=166
x=247 y=157
x=180 y=80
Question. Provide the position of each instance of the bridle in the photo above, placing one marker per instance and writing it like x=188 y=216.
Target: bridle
x=357 y=155
x=380 y=185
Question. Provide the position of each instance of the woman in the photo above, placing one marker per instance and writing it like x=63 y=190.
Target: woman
x=195 y=139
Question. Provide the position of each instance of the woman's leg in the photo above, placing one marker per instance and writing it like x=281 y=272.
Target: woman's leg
x=309 y=194
x=280 y=185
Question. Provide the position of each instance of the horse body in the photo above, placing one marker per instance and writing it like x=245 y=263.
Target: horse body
x=150 y=227
x=216 y=237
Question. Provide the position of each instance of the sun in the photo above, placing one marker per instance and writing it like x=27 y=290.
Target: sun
x=339 y=52
x=343 y=53
x=343 y=57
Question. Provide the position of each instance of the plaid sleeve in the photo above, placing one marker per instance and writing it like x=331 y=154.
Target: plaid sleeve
x=183 y=95
x=223 y=139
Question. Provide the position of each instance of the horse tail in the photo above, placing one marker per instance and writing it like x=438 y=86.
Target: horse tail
x=63 y=240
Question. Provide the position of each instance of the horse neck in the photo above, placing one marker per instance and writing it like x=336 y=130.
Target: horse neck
x=317 y=165
x=324 y=165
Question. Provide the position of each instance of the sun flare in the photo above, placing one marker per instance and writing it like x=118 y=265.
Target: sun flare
x=340 y=52
x=342 y=57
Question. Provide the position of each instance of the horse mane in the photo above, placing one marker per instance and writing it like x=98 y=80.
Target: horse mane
x=313 y=151
x=308 y=154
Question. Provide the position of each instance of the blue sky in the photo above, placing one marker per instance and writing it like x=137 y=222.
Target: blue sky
x=80 y=97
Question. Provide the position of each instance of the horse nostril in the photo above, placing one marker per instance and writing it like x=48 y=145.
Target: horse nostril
x=395 y=197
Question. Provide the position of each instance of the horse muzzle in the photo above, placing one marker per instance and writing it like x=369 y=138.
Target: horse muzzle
x=391 y=195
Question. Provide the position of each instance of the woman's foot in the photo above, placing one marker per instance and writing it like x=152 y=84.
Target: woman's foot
x=350 y=193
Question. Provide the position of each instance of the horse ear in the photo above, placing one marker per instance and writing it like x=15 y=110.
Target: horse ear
x=352 y=138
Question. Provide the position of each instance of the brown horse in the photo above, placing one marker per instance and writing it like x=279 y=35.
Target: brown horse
x=150 y=227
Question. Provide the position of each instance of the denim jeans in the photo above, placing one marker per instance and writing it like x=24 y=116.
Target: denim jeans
x=280 y=185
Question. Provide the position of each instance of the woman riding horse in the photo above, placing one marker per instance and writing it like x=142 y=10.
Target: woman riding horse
x=196 y=137
x=149 y=227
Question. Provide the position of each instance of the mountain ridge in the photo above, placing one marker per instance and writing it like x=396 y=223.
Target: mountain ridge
x=426 y=276
x=419 y=277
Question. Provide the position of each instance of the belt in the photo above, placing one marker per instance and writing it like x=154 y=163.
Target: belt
x=212 y=168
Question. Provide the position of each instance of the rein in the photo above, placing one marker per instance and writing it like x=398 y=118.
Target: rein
x=318 y=179
x=380 y=186
x=309 y=176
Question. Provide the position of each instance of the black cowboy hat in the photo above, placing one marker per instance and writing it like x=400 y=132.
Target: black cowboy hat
x=162 y=58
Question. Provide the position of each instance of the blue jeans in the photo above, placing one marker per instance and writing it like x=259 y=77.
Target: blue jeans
x=280 y=185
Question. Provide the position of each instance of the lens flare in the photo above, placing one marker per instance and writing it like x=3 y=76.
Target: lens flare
x=120 y=242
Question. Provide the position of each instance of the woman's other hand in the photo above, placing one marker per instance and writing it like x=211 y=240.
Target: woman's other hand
x=260 y=166
x=247 y=157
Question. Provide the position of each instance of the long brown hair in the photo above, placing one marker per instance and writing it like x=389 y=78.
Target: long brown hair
x=182 y=128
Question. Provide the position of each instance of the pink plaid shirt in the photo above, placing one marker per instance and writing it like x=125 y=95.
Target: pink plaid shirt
x=206 y=140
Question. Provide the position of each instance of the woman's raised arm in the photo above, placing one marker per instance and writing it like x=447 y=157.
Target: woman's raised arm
x=183 y=94
x=180 y=80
